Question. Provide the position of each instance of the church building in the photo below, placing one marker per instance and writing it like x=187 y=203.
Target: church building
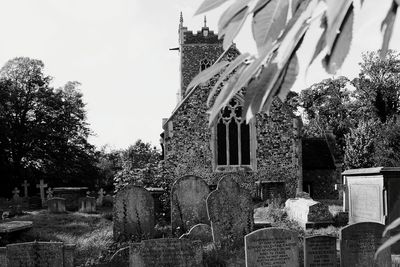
x=266 y=152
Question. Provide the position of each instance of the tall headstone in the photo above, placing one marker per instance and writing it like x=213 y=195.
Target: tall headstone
x=133 y=214
x=320 y=251
x=166 y=252
x=230 y=211
x=87 y=204
x=25 y=185
x=188 y=203
x=272 y=247
x=56 y=205
x=41 y=187
x=358 y=243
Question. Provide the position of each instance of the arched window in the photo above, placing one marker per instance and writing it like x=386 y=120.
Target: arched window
x=204 y=64
x=234 y=139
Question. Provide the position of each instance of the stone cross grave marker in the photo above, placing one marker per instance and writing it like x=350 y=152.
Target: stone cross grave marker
x=99 y=200
x=320 y=251
x=56 y=205
x=49 y=193
x=38 y=254
x=87 y=204
x=230 y=211
x=15 y=194
x=272 y=247
x=42 y=186
x=133 y=214
x=166 y=252
x=188 y=203
x=25 y=186
x=358 y=243
x=200 y=232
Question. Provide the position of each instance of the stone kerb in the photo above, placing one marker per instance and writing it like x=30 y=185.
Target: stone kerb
x=307 y=211
x=188 y=203
x=166 y=252
x=56 y=205
x=272 y=247
x=230 y=210
x=358 y=243
x=87 y=204
x=133 y=216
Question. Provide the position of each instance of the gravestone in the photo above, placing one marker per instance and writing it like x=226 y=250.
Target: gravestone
x=56 y=205
x=16 y=197
x=308 y=213
x=25 y=185
x=166 y=252
x=108 y=200
x=87 y=204
x=272 y=247
x=230 y=212
x=71 y=195
x=358 y=243
x=188 y=203
x=99 y=200
x=320 y=251
x=41 y=187
x=35 y=202
x=133 y=214
x=38 y=254
x=200 y=232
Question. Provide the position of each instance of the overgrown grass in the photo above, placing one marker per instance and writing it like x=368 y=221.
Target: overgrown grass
x=91 y=233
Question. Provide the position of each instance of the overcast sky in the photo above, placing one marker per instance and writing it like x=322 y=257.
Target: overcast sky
x=119 y=51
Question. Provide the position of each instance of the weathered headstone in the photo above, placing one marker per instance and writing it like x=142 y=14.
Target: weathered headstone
x=25 y=185
x=272 y=247
x=41 y=187
x=230 y=211
x=99 y=200
x=3 y=256
x=87 y=204
x=308 y=212
x=16 y=197
x=320 y=251
x=358 y=243
x=40 y=254
x=133 y=214
x=200 y=232
x=108 y=200
x=188 y=203
x=56 y=205
x=166 y=252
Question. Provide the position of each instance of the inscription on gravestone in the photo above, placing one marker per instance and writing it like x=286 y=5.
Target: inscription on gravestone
x=358 y=243
x=365 y=203
x=166 y=252
x=320 y=251
x=272 y=247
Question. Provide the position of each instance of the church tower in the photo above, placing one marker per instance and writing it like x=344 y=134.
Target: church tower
x=197 y=52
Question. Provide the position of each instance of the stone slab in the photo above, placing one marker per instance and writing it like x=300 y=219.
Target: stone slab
x=320 y=251
x=166 y=252
x=14 y=226
x=272 y=247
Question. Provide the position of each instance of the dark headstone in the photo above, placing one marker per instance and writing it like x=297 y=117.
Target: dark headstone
x=272 y=247
x=35 y=202
x=166 y=252
x=320 y=251
x=87 y=204
x=188 y=203
x=56 y=205
x=358 y=243
x=71 y=195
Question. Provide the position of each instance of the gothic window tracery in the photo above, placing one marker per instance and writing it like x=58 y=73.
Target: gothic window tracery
x=205 y=63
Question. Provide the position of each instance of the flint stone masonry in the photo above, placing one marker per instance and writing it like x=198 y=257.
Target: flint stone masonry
x=231 y=213
x=308 y=212
x=200 y=232
x=272 y=247
x=188 y=203
x=133 y=214
x=166 y=252
x=56 y=205
x=87 y=204
x=52 y=254
x=358 y=243
x=320 y=251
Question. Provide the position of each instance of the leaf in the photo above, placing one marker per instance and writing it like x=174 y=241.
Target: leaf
x=391 y=226
x=333 y=61
x=321 y=42
x=295 y=5
x=387 y=244
x=336 y=12
x=207 y=74
x=208 y=5
x=387 y=27
x=269 y=22
x=230 y=13
x=289 y=77
x=233 y=28
x=233 y=65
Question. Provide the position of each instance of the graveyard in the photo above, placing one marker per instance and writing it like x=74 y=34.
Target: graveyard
x=254 y=165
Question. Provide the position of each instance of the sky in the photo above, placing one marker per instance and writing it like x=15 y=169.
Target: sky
x=119 y=51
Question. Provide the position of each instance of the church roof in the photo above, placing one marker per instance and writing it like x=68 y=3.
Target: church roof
x=316 y=154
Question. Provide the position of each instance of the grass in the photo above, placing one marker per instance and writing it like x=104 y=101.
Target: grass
x=91 y=233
